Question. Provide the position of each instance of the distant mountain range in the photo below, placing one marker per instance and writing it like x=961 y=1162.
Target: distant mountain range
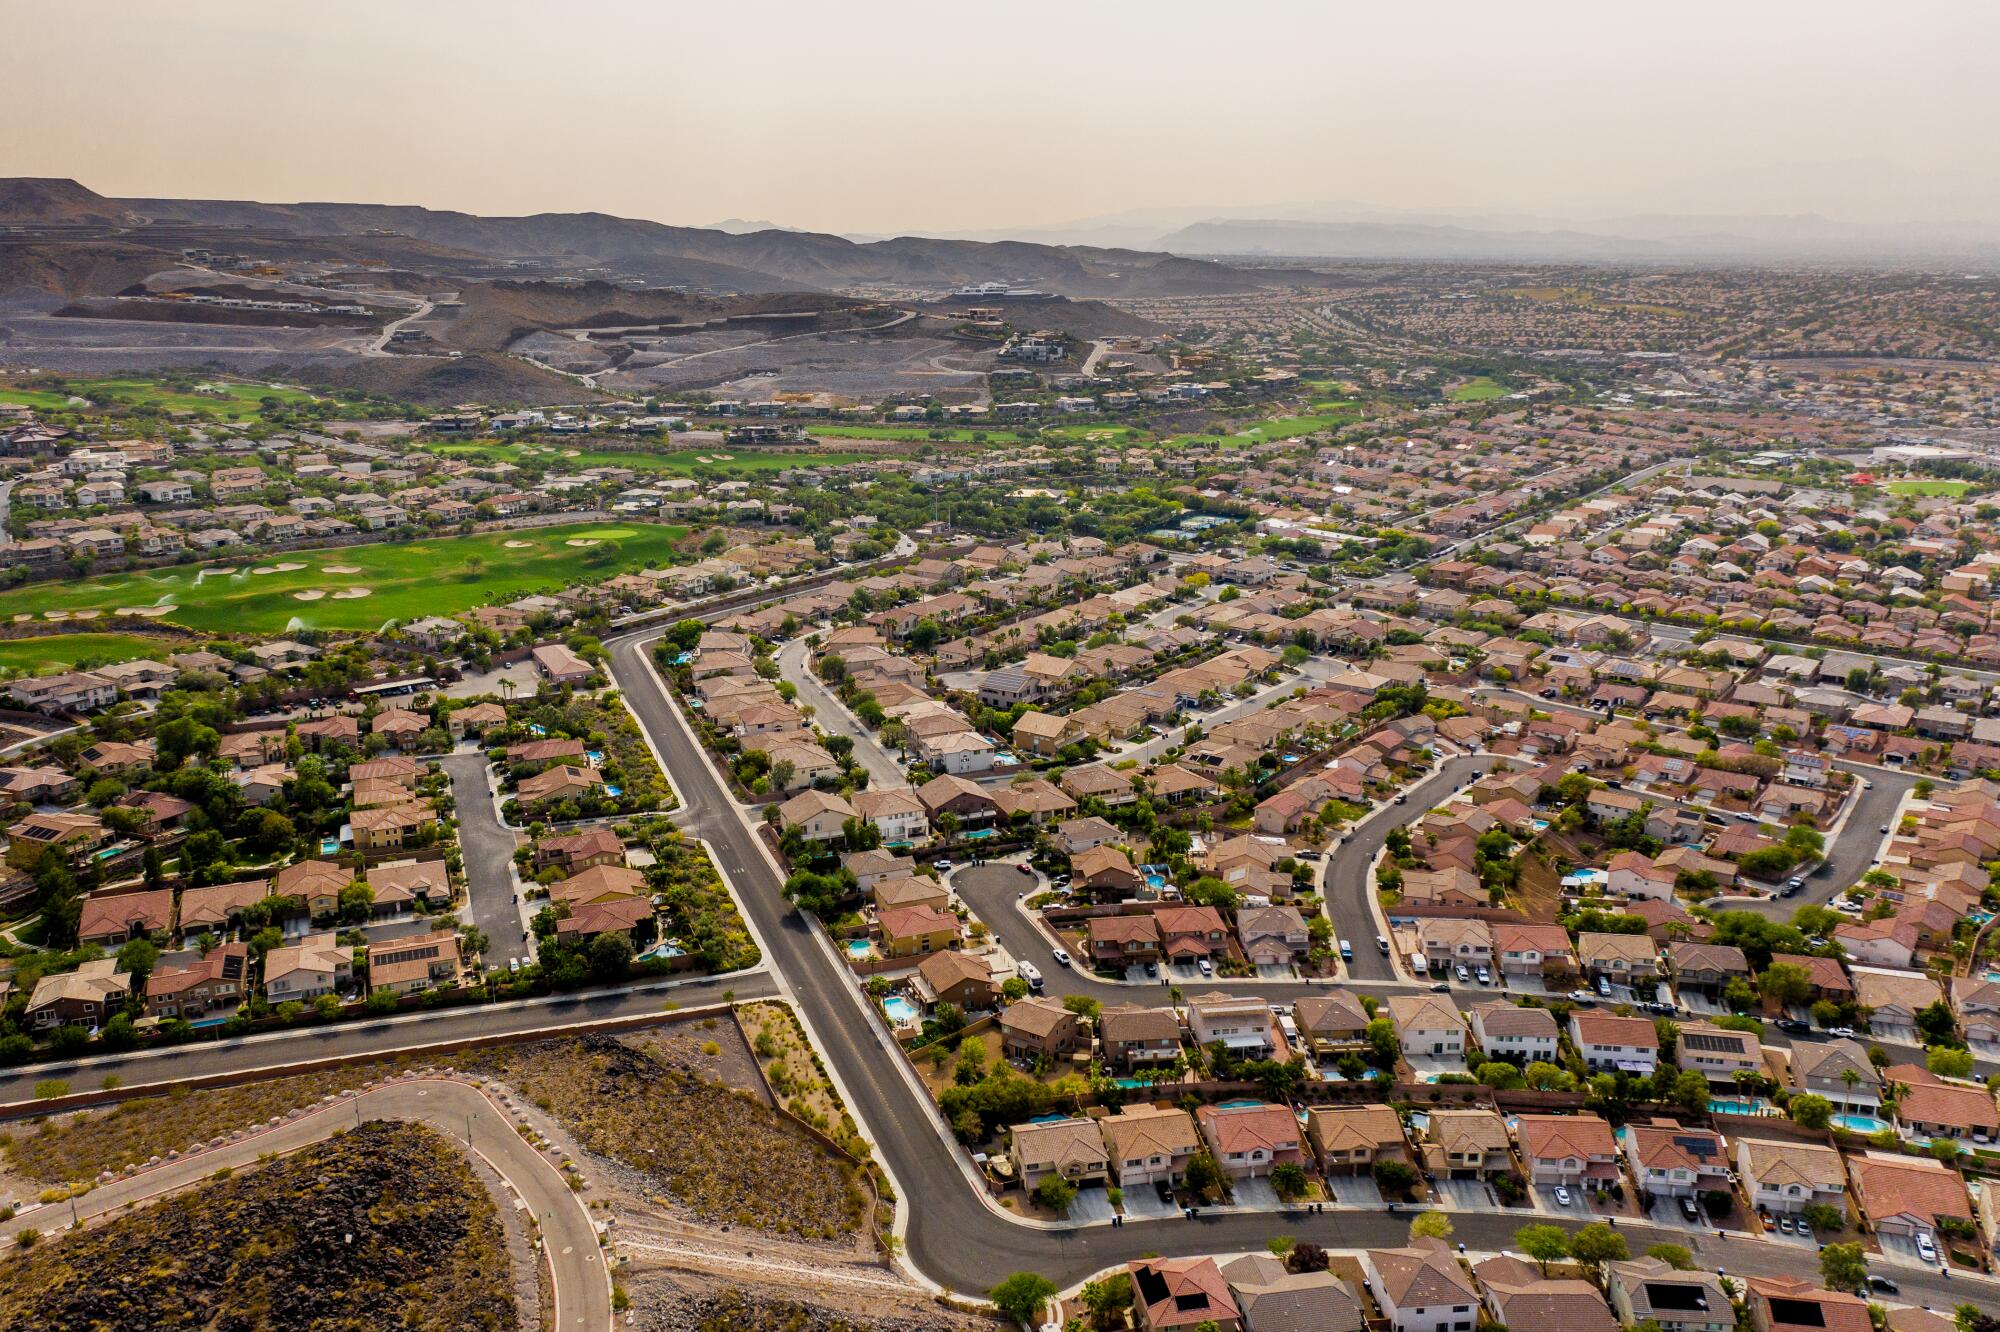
x=714 y=259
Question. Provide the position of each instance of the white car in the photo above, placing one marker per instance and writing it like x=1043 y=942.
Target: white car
x=1061 y=956
x=1562 y=1195
x=1925 y=1249
x=1030 y=973
x=1206 y=967
x=941 y=866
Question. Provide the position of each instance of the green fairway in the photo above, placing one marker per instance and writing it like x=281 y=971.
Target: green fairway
x=440 y=576
x=1282 y=427
x=31 y=656
x=920 y=433
x=1094 y=434
x=677 y=462
x=230 y=401
x=1954 y=489
x=1481 y=389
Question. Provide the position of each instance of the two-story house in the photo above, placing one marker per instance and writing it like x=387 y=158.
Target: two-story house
x=1514 y=1034
x=1132 y=1037
x=1349 y=1140
x=1669 y=1160
x=1145 y=1144
x=1568 y=1149
x=1611 y=1044
x=1248 y=1140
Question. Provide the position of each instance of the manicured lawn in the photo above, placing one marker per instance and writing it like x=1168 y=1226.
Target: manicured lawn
x=1481 y=389
x=1952 y=488
x=33 y=656
x=677 y=462
x=1096 y=434
x=406 y=581
x=233 y=402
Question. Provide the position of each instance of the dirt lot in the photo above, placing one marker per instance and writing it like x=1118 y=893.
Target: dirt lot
x=683 y=1301
x=860 y=366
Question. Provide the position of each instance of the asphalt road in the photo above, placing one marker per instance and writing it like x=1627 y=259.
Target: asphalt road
x=582 y=1288
x=952 y=1237
x=488 y=848
x=365 y=1040
x=829 y=715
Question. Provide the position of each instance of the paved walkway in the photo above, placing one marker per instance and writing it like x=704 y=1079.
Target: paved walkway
x=582 y=1287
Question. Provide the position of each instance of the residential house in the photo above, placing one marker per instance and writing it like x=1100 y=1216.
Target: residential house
x=1428 y=1025
x=1718 y=1053
x=1069 y=1148
x=1330 y=1022
x=1669 y=1160
x=959 y=978
x=1248 y=1140
x=1121 y=941
x=1467 y=1144
x=1349 y=1140
x=315 y=965
x=1274 y=1299
x=1840 y=1071
x=1706 y=967
x=1244 y=1026
x=1932 y=1108
x=1182 y=1294
x=1792 y=1304
x=1648 y=1289
x=1575 y=1150
x=819 y=816
x=110 y=919
x=1272 y=935
x=86 y=997
x=914 y=931
x=1782 y=1175
x=1149 y=1143
x=1611 y=1044
x=1624 y=959
x=1518 y=1035
x=1523 y=1300
x=1132 y=1037
x=1906 y=1196
x=1040 y=1028
x=1421 y=1288
x=220 y=979
x=1527 y=949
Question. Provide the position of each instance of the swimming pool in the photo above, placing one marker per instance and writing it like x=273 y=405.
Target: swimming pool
x=900 y=1010
x=329 y=846
x=1155 y=882
x=1860 y=1123
x=613 y=791
x=1734 y=1106
x=859 y=948
x=979 y=834
x=660 y=949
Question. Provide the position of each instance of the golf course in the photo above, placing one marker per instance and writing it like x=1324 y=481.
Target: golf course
x=354 y=587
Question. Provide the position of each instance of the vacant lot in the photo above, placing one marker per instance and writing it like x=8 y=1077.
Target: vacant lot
x=440 y=576
x=30 y=656
x=384 y=1226
x=705 y=1146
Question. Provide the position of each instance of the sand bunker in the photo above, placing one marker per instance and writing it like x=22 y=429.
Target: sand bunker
x=264 y=569
x=150 y=612
x=519 y=545
x=310 y=594
x=86 y=614
x=582 y=541
x=340 y=568
x=23 y=619
x=289 y=568
x=353 y=593
x=55 y=615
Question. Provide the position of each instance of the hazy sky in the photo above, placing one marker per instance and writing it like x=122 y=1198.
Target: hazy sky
x=885 y=115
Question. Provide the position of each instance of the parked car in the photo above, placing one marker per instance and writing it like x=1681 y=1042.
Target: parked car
x=1690 y=1211
x=1867 y=785
x=1205 y=967
x=1925 y=1249
x=1583 y=997
x=1025 y=867
x=941 y=866
x=1306 y=855
x=1152 y=970
x=1165 y=1189
x=1462 y=974
x=1841 y=1033
x=1793 y=884
x=1881 y=1285
x=1382 y=944
x=1604 y=986
x=1784 y=1223
x=1061 y=955
x=1402 y=798
x=1792 y=1025
x=1885 y=830
x=1346 y=951
x=1442 y=987
x=1484 y=976
x=1562 y=1195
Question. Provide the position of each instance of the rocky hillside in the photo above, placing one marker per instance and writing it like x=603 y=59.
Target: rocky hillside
x=267 y=1249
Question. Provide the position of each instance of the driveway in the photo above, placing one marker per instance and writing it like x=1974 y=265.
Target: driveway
x=1255 y=1194
x=1466 y=1194
x=1893 y=1032
x=1093 y=1203
x=1545 y=1201
x=1666 y=1213
x=1354 y=1191
x=1142 y=1203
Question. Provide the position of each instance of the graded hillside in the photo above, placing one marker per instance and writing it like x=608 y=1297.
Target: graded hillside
x=493 y=315
x=1079 y=319
x=384 y=1226
x=53 y=200
x=433 y=381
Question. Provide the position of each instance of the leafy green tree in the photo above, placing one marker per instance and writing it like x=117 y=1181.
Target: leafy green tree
x=1289 y=1181
x=1843 y=1267
x=1022 y=1295
x=1394 y=1177
x=1810 y=1111
x=1676 y=1256
x=1431 y=1225
x=1055 y=1193
x=1947 y=1062
x=1204 y=1176
x=1786 y=983
x=1103 y=1300
x=1544 y=1244
x=1597 y=1244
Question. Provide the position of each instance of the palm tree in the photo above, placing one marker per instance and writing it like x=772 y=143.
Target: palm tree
x=1851 y=1077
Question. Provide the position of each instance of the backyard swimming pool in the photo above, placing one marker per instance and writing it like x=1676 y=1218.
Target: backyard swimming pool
x=900 y=1010
x=1860 y=1123
x=1733 y=1106
x=979 y=834
x=859 y=948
